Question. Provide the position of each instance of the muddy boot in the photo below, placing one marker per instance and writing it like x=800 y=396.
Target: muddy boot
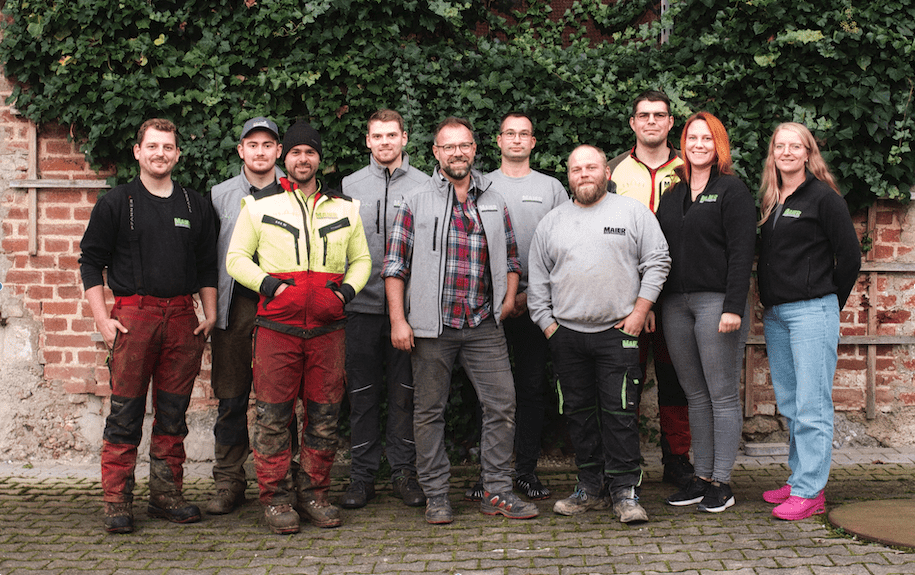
x=315 y=507
x=172 y=506
x=281 y=518
x=119 y=517
x=229 y=474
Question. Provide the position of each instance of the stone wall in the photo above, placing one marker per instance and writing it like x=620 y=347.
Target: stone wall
x=54 y=386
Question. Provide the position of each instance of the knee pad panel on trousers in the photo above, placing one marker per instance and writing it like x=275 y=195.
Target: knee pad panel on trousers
x=232 y=421
x=124 y=424
x=321 y=432
x=271 y=432
x=170 y=413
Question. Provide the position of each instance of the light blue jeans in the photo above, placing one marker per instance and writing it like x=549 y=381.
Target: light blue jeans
x=708 y=366
x=802 y=340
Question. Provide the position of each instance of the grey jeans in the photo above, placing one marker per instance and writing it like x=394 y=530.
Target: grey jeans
x=708 y=366
x=483 y=354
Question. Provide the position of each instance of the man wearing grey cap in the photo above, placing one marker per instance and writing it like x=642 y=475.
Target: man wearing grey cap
x=301 y=246
x=259 y=148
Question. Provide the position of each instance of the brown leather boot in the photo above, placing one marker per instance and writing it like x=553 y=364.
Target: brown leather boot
x=119 y=517
x=314 y=506
x=171 y=505
x=281 y=518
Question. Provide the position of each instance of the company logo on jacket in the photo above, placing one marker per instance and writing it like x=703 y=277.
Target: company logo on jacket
x=791 y=213
x=615 y=231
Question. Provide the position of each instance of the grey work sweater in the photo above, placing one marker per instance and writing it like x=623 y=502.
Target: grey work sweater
x=529 y=198
x=588 y=265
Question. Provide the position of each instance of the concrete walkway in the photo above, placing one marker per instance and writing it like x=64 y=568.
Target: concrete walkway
x=50 y=523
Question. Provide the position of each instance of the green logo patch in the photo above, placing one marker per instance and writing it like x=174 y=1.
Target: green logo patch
x=708 y=199
x=182 y=223
x=630 y=344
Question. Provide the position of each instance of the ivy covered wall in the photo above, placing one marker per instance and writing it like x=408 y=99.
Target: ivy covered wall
x=103 y=66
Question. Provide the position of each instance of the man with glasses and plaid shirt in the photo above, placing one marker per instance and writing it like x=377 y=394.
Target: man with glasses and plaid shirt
x=452 y=253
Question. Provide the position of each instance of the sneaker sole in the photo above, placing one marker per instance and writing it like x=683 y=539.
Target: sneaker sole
x=285 y=530
x=685 y=502
x=731 y=501
x=796 y=517
x=489 y=510
x=439 y=521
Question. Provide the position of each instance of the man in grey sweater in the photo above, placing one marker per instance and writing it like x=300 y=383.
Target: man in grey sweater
x=597 y=265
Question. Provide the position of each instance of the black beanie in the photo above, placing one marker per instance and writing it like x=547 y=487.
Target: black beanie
x=301 y=133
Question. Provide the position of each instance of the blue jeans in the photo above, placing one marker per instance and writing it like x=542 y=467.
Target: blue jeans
x=483 y=354
x=708 y=366
x=802 y=340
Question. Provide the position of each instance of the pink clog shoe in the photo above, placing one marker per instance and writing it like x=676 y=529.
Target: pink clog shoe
x=799 y=508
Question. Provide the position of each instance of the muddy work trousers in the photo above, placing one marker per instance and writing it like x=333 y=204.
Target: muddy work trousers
x=286 y=368
x=160 y=346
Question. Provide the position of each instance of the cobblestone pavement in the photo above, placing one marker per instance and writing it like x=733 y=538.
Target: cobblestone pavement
x=50 y=523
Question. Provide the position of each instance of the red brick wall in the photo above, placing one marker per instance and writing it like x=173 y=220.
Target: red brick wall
x=48 y=284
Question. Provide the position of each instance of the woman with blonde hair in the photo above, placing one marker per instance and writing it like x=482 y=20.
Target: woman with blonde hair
x=808 y=264
x=709 y=220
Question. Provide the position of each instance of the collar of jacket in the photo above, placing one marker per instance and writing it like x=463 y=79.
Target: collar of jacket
x=379 y=170
x=477 y=180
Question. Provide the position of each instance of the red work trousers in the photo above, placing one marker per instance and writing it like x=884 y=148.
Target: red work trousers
x=160 y=345
x=287 y=367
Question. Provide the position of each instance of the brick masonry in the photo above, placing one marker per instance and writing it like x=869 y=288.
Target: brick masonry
x=46 y=288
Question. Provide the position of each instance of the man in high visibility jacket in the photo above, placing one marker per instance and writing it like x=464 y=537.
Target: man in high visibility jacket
x=302 y=247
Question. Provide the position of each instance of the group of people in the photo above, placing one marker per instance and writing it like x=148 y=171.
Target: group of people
x=376 y=289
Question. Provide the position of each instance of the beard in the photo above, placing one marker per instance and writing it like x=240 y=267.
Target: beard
x=589 y=193
x=458 y=173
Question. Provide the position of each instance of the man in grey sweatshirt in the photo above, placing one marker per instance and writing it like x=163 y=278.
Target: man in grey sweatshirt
x=597 y=265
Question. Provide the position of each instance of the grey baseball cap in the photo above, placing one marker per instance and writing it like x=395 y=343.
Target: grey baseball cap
x=260 y=123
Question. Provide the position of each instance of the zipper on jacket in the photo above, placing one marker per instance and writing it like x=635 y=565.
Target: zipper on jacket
x=285 y=226
x=326 y=230
x=378 y=216
x=435 y=234
x=305 y=224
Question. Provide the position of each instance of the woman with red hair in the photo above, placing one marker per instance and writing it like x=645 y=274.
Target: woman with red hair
x=709 y=219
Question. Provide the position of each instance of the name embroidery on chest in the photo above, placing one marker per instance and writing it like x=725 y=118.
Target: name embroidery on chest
x=326 y=216
x=182 y=223
x=536 y=199
x=791 y=213
x=708 y=199
x=615 y=231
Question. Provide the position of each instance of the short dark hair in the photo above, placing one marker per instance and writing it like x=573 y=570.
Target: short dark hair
x=515 y=114
x=452 y=121
x=160 y=124
x=386 y=115
x=651 y=96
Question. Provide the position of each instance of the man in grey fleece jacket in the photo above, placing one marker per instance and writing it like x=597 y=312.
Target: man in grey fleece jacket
x=373 y=366
x=597 y=265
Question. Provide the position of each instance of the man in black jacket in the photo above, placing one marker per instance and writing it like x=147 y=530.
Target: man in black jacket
x=157 y=241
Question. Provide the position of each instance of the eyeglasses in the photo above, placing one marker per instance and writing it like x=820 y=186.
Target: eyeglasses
x=511 y=135
x=659 y=116
x=451 y=148
x=793 y=147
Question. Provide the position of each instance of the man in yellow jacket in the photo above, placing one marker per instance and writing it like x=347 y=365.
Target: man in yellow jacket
x=303 y=249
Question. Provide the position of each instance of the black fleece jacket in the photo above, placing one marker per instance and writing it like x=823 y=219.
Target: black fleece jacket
x=811 y=250
x=712 y=240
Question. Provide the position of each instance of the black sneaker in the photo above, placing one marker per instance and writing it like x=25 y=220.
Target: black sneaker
x=678 y=470
x=531 y=487
x=357 y=494
x=476 y=492
x=718 y=498
x=694 y=491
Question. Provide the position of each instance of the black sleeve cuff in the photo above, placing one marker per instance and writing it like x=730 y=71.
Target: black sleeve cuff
x=270 y=285
x=348 y=293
